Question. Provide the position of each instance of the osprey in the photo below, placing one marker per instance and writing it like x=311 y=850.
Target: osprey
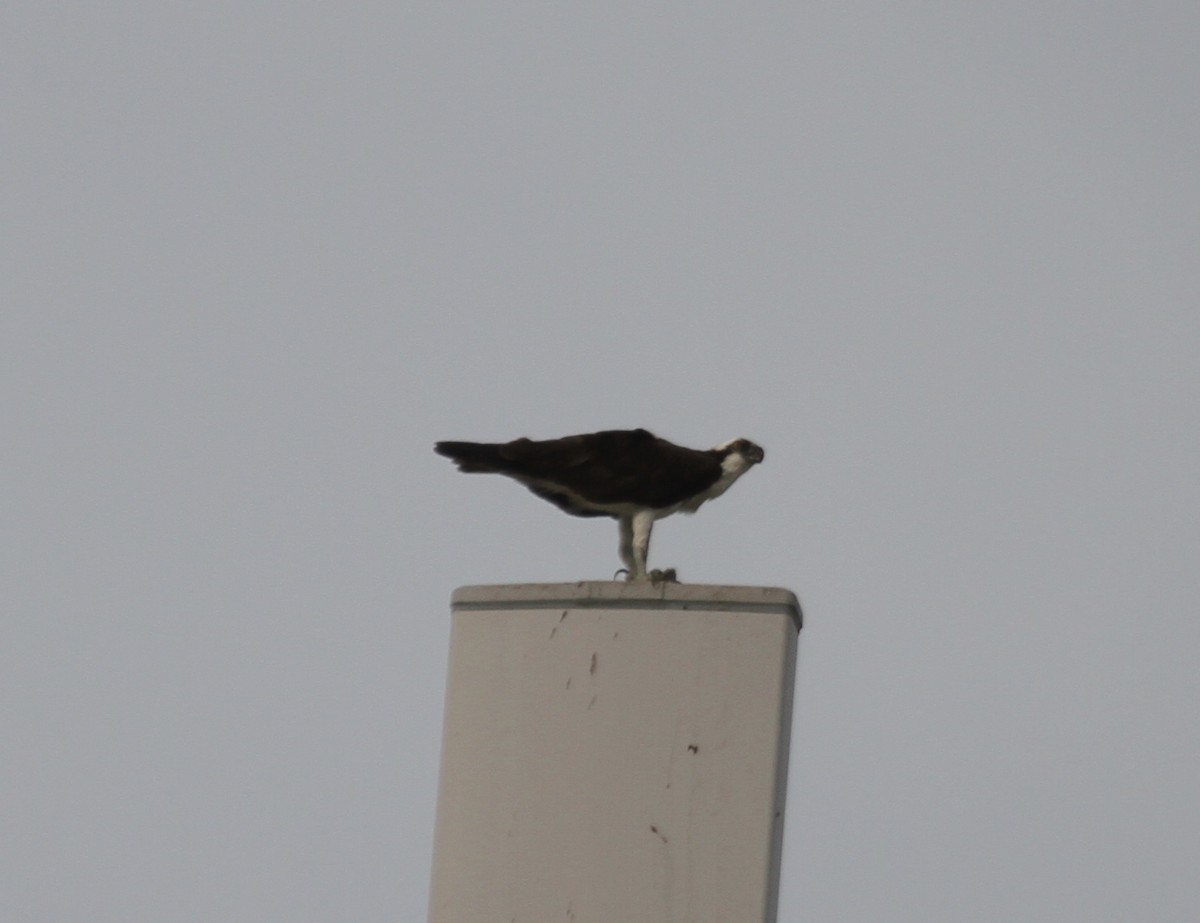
x=631 y=475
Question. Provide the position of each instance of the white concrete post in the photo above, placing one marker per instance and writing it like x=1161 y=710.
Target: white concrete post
x=614 y=753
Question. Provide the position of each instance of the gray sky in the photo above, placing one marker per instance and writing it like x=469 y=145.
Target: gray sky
x=939 y=259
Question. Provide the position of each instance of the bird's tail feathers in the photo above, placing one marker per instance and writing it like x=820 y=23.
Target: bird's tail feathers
x=481 y=457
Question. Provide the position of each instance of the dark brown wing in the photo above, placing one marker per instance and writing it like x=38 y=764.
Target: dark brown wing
x=609 y=467
x=615 y=466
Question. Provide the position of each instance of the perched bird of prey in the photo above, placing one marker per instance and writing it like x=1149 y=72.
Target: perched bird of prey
x=631 y=475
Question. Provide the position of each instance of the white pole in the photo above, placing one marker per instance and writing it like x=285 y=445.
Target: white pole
x=614 y=753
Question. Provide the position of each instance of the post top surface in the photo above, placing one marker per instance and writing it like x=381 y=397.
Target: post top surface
x=627 y=595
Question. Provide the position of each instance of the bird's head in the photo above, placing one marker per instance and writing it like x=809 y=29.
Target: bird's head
x=747 y=452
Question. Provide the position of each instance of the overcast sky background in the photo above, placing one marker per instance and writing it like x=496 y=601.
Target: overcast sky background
x=939 y=259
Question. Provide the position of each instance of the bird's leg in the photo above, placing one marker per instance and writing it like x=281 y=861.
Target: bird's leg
x=640 y=526
x=626 y=547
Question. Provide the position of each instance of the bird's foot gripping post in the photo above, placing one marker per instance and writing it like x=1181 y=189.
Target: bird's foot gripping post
x=655 y=576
